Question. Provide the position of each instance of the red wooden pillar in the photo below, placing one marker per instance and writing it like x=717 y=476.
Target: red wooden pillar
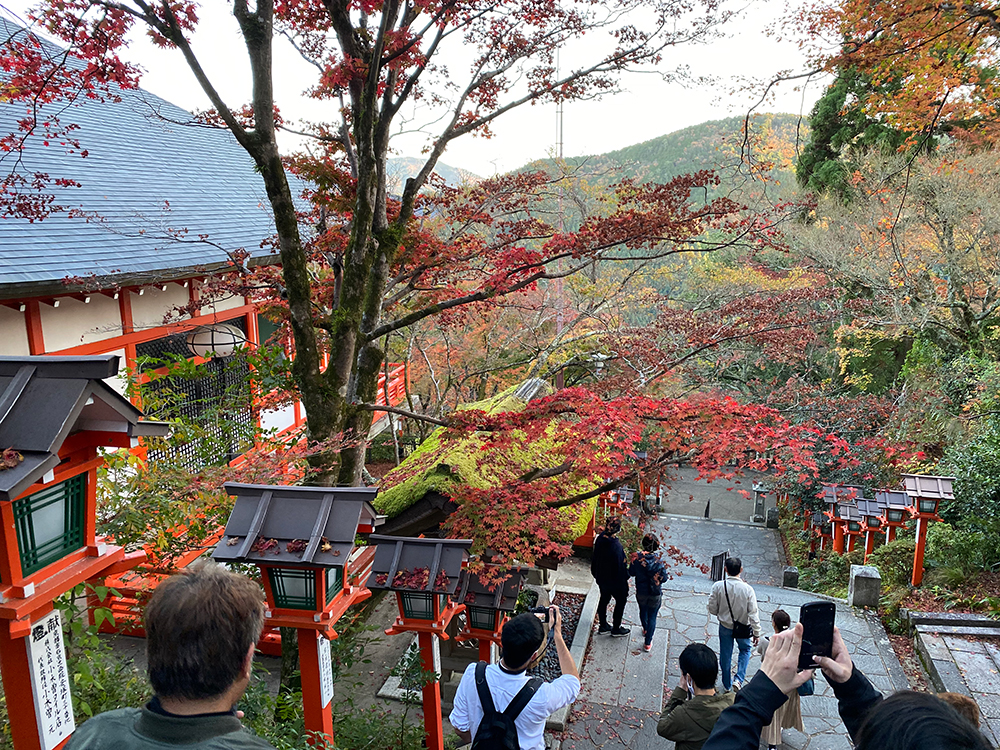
x=869 y=542
x=851 y=539
x=318 y=718
x=890 y=534
x=434 y=730
x=918 y=553
x=838 y=537
x=485 y=650
x=16 y=671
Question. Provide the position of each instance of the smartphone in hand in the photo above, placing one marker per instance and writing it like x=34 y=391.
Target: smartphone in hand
x=817 y=632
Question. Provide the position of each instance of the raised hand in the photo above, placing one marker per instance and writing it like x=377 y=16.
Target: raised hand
x=781 y=660
x=840 y=667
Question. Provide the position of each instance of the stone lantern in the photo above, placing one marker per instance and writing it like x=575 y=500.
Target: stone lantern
x=926 y=492
x=55 y=412
x=424 y=574
x=303 y=541
x=487 y=608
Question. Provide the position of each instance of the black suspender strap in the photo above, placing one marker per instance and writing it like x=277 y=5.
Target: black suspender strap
x=485 y=699
x=523 y=697
x=516 y=706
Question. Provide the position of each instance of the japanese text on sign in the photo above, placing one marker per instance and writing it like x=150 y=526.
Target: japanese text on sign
x=50 y=681
x=325 y=671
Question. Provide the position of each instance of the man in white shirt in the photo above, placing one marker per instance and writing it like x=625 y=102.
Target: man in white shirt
x=523 y=641
x=733 y=600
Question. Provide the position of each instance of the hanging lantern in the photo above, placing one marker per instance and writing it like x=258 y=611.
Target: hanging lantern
x=218 y=340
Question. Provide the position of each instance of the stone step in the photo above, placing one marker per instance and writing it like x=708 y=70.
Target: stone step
x=959 y=630
x=953 y=618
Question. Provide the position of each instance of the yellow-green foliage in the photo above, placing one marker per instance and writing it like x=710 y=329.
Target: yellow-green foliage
x=439 y=464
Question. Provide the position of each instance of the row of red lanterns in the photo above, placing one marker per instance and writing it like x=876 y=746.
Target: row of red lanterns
x=849 y=515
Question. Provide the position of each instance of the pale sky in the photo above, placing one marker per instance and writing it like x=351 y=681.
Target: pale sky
x=645 y=109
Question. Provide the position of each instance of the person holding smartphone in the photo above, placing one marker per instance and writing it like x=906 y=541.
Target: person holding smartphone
x=905 y=721
x=523 y=641
x=694 y=706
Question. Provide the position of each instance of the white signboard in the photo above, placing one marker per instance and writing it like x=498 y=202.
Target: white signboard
x=50 y=682
x=325 y=671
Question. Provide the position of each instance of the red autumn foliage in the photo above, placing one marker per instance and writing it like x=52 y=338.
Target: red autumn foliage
x=415 y=579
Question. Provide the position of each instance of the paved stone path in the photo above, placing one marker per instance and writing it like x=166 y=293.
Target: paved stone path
x=971 y=667
x=624 y=687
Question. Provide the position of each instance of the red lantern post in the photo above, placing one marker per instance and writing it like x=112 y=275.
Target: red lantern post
x=925 y=492
x=424 y=574
x=897 y=507
x=488 y=608
x=54 y=414
x=303 y=540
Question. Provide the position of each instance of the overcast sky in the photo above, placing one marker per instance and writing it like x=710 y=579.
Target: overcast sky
x=646 y=108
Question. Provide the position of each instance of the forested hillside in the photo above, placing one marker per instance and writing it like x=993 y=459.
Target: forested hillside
x=719 y=145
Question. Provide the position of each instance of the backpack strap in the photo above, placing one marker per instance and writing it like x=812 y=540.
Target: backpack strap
x=485 y=698
x=523 y=697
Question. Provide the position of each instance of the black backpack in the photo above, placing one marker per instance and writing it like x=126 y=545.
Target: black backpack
x=497 y=730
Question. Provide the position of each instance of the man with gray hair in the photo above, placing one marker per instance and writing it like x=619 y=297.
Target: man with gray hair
x=201 y=630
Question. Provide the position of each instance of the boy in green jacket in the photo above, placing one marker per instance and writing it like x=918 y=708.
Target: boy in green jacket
x=694 y=706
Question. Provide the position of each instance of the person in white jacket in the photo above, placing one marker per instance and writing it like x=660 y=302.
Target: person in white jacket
x=734 y=602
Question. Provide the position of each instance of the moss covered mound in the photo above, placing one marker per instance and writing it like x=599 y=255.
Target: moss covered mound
x=439 y=464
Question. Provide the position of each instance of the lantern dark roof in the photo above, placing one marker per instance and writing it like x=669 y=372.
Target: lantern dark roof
x=43 y=400
x=870 y=507
x=893 y=499
x=396 y=555
x=326 y=519
x=849 y=512
x=623 y=494
x=923 y=485
x=503 y=596
x=842 y=493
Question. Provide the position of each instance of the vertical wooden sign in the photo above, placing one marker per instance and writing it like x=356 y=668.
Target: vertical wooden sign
x=325 y=671
x=50 y=681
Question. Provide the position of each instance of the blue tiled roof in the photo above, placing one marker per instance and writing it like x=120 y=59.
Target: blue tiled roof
x=147 y=177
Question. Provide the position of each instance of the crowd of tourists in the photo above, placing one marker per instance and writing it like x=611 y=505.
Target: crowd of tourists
x=746 y=714
x=202 y=627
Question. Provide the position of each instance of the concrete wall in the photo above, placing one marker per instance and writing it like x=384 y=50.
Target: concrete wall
x=75 y=322
x=13 y=333
x=149 y=309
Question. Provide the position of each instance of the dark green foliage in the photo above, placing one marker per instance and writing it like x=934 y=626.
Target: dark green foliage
x=840 y=128
x=972 y=547
x=894 y=561
x=830 y=573
x=975 y=461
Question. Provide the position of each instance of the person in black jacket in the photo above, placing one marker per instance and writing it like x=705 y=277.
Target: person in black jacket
x=904 y=721
x=608 y=568
x=649 y=572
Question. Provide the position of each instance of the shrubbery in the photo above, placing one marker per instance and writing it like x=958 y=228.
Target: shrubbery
x=894 y=561
x=970 y=548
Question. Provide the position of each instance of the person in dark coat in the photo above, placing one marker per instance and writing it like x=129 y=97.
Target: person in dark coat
x=649 y=572
x=904 y=721
x=694 y=706
x=609 y=570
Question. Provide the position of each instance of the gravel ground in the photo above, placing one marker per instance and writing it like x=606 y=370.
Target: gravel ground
x=570 y=607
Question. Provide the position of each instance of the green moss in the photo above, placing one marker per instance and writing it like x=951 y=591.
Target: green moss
x=440 y=463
